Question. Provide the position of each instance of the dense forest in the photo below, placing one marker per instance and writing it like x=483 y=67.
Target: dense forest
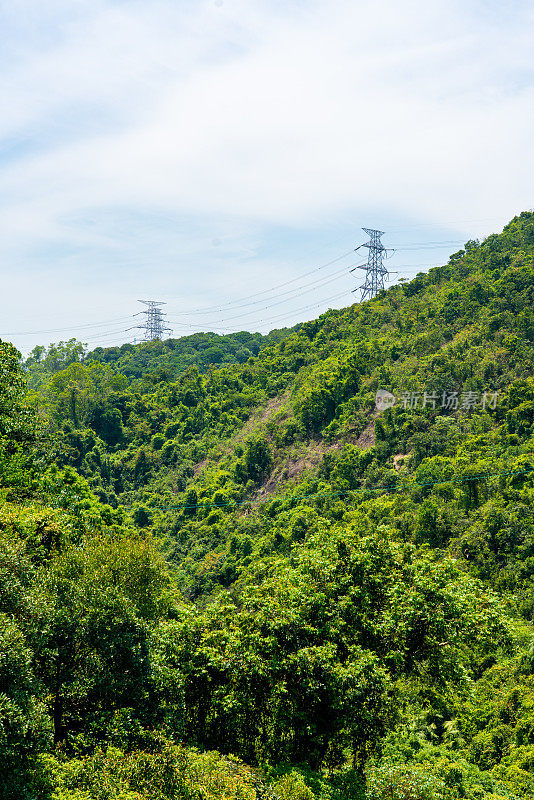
x=151 y=361
x=240 y=577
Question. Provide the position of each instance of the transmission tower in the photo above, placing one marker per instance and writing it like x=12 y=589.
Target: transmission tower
x=375 y=271
x=153 y=325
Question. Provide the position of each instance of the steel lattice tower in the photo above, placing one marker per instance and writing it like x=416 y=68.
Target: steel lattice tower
x=153 y=326
x=375 y=270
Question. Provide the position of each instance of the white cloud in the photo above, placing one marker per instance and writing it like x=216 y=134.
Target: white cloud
x=261 y=113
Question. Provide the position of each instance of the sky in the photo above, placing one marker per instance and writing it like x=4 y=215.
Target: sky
x=214 y=155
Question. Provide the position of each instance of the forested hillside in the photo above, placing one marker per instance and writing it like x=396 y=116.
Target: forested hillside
x=151 y=362
x=252 y=581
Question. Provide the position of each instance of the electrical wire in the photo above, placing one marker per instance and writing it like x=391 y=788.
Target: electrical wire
x=343 y=492
x=324 y=282
x=238 y=302
x=231 y=304
x=443 y=243
x=444 y=224
x=422 y=247
x=101 y=336
x=214 y=325
x=305 y=308
x=273 y=288
x=261 y=322
x=72 y=328
x=295 y=291
x=298 y=290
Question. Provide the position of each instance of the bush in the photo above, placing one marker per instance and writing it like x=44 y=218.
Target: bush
x=404 y=782
x=258 y=459
x=158 y=440
x=291 y=787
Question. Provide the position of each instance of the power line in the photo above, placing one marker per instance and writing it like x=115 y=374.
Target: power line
x=438 y=243
x=305 y=308
x=213 y=325
x=155 y=317
x=424 y=246
x=234 y=303
x=216 y=324
x=107 y=335
x=273 y=288
x=278 y=317
x=296 y=291
x=286 y=315
x=446 y=223
x=342 y=492
x=193 y=311
x=299 y=292
x=72 y=328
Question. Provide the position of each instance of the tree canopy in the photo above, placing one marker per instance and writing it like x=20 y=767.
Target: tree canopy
x=250 y=581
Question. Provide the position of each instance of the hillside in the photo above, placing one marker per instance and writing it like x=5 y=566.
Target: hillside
x=151 y=362
x=253 y=581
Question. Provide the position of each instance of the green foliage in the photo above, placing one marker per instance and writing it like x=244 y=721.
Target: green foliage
x=171 y=773
x=20 y=717
x=291 y=786
x=258 y=459
x=250 y=559
x=403 y=782
x=19 y=429
x=44 y=362
x=152 y=361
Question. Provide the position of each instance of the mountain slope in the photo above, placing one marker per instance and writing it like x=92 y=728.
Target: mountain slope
x=352 y=586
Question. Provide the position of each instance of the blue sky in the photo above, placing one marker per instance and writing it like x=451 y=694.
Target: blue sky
x=201 y=152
